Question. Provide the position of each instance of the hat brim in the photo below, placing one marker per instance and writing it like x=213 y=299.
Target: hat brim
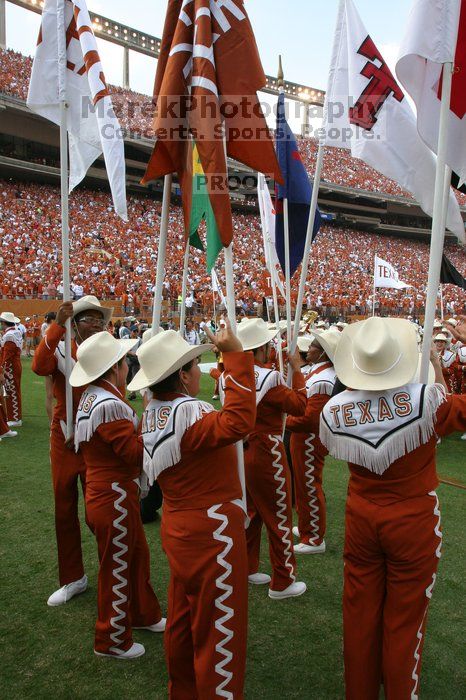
x=79 y=377
x=326 y=347
x=268 y=336
x=106 y=311
x=401 y=374
x=9 y=320
x=141 y=380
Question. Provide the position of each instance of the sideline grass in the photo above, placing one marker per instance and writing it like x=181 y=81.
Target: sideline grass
x=295 y=646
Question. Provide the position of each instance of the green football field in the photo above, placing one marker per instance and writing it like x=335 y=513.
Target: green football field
x=295 y=646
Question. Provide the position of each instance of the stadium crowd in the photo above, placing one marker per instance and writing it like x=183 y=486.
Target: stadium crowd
x=135 y=111
x=116 y=260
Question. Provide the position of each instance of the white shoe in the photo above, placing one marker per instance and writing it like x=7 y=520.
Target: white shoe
x=295 y=531
x=10 y=433
x=302 y=548
x=463 y=437
x=157 y=627
x=14 y=423
x=64 y=594
x=215 y=396
x=295 y=589
x=132 y=653
x=259 y=579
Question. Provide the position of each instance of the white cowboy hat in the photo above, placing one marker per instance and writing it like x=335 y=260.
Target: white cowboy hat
x=96 y=355
x=161 y=356
x=452 y=322
x=341 y=324
x=304 y=342
x=281 y=324
x=254 y=333
x=441 y=336
x=147 y=335
x=437 y=323
x=320 y=324
x=8 y=317
x=91 y=303
x=377 y=354
x=328 y=341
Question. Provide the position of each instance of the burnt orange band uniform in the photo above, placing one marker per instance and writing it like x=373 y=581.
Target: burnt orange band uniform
x=191 y=448
x=106 y=435
x=268 y=477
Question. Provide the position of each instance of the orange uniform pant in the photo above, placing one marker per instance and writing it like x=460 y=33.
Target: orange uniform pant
x=13 y=371
x=4 y=428
x=125 y=596
x=308 y=465
x=206 y=634
x=268 y=482
x=391 y=556
x=68 y=469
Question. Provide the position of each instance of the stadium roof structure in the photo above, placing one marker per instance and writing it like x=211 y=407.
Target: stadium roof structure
x=141 y=42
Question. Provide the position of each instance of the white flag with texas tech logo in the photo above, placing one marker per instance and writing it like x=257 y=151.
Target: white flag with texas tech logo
x=367 y=112
x=67 y=67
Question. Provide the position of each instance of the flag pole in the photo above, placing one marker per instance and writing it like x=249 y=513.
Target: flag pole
x=183 y=291
x=438 y=223
x=286 y=229
x=161 y=255
x=307 y=245
x=373 y=291
x=276 y=312
x=64 y=187
x=231 y=313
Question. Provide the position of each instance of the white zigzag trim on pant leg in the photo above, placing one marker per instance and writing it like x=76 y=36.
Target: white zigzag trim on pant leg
x=219 y=603
x=311 y=489
x=10 y=387
x=281 y=504
x=428 y=593
x=120 y=598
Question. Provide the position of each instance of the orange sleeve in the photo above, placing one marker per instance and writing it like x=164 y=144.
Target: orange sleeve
x=10 y=351
x=237 y=418
x=451 y=415
x=125 y=443
x=44 y=361
x=310 y=422
x=292 y=401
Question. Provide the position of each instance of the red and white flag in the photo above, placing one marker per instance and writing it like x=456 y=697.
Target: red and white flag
x=267 y=212
x=385 y=275
x=67 y=67
x=367 y=112
x=436 y=34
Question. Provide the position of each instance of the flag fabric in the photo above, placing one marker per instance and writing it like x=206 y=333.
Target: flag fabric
x=201 y=210
x=67 y=67
x=267 y=213
x=450 y=275
x=216 y=288
x=386 y=276
x=206 y=85
x=436 y=34
x=367 y=112
x=297 y=189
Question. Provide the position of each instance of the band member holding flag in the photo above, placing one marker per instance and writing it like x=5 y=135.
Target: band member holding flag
x=88 y=317
x=386 y=425
x=105 y=434
x=190 y=449
x=268 y=478
x=307 y=452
